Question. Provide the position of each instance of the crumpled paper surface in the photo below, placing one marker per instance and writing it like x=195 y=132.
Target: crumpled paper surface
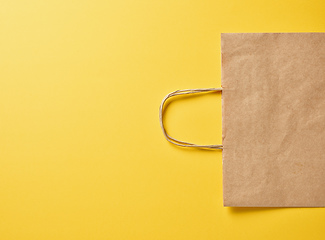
x=273 y=104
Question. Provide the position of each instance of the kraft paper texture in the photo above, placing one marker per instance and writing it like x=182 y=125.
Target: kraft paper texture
x=273 y=104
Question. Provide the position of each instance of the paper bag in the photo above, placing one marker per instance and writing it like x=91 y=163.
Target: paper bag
x=273 y=116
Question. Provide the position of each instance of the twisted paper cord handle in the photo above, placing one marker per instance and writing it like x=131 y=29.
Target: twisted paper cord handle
x=161 y=111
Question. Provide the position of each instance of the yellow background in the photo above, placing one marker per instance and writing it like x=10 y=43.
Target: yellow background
x=82 y=155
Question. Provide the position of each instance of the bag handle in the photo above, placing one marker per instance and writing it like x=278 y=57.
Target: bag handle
x=161 y=111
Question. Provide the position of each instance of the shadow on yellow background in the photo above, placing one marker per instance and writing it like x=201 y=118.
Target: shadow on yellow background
x=82 y=155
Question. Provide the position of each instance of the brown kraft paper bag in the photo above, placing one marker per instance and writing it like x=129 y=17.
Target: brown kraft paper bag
x=273 y=116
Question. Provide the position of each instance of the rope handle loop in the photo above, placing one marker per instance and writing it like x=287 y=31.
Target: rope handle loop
x=161 y=111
